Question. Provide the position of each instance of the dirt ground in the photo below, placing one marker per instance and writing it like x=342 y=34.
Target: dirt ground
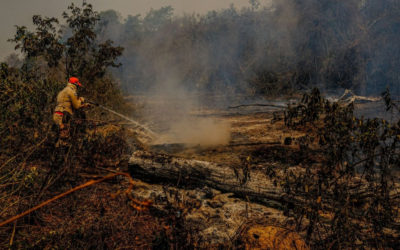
x=103 y=217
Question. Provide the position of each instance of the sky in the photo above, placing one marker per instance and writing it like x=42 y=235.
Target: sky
x=20 y=12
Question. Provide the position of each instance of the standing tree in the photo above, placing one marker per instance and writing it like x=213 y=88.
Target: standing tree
x=75 y=45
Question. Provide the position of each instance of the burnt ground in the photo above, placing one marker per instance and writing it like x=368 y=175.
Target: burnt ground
x=216 y=219
x=101 y=216
x=251 y=133
x=265 y=147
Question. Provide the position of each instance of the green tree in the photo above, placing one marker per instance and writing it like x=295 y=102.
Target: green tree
x=44 y=41
x=75 y=45
x=85 y=56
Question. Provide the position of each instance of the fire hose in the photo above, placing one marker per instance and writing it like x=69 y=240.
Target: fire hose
x=136 y=204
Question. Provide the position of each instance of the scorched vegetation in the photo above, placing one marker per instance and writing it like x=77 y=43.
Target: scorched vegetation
x=305 y=172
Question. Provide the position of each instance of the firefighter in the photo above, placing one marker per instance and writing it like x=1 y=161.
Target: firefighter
x=67 y=102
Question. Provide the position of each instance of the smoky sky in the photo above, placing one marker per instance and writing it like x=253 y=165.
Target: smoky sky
x=20 y=12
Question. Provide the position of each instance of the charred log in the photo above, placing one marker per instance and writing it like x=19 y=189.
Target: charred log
x=156 y=168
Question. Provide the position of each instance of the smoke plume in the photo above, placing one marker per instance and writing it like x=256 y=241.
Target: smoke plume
x=183 y=63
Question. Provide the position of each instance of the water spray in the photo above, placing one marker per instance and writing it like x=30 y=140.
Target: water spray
x=149 y=131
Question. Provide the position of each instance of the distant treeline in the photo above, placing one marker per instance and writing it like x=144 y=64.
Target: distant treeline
x=286 y=46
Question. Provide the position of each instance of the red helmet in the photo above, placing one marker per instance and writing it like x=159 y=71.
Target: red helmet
x=75 y=81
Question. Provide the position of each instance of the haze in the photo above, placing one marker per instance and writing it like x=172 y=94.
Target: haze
x=20 y=12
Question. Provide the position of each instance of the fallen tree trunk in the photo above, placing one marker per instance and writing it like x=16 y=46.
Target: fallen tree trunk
x=188 y=173
x=156 y=168
x=258 y=188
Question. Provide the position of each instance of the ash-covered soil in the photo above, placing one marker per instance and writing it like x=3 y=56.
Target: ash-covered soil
x=260 y=149
x=248 y=127
x=257 y=141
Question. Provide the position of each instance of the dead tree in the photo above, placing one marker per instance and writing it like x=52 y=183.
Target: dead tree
x=157 y=168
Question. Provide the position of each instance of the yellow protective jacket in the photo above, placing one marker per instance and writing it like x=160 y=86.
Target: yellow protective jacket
x=67 y=100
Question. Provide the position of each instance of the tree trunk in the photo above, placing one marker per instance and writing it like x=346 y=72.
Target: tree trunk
x=157 y=168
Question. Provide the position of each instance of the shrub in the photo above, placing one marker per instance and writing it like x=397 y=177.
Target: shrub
x=349 y=197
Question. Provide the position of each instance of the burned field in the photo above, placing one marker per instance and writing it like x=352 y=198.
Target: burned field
x=297 y=177
x=272 y=173
x=222 y=191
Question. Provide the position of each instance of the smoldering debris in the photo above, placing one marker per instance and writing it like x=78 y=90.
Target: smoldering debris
x=169 y=108
x=197 y=131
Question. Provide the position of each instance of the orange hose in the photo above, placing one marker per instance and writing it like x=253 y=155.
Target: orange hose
x=89 y=183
